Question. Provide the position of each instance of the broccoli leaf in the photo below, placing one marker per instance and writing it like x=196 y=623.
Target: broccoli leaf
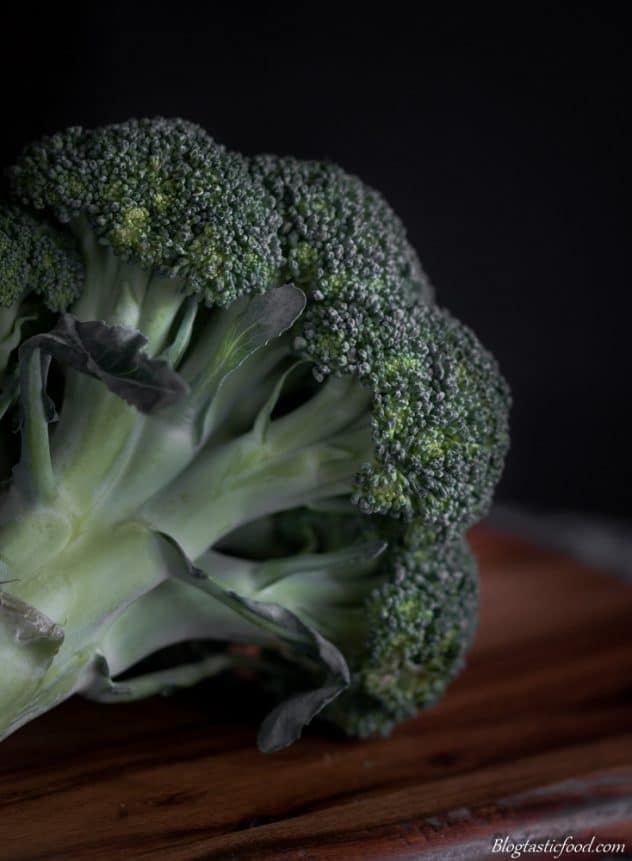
x=285 y=723
x=115 y=355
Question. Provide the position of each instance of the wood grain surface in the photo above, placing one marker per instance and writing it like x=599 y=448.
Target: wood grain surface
x=534 y=737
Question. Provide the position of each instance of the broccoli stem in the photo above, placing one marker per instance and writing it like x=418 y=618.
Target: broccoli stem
x=83 y=589
x=164 y=681
x=92 y=447
x=307 y=455
x=10 y=334
x=124 y=293
x=200 y=493
x=101 y=268
x=35 y=475
x=326 y=589
x=112 y=595
x=174 y=613
x=106 y=458
x=7 y=320
x=165 y=445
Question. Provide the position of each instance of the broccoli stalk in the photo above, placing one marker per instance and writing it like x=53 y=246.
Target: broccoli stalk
x=326 y=590
x=97 y=477
x=10 y=334
x=241 y=348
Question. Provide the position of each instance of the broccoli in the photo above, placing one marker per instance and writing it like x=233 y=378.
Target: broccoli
x=242 y=419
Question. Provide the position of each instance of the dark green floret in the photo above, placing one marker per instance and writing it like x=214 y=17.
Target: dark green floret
x=36 y=257
x=38 y=265
x=439 y=420
x=420 y=624
x=341 y=241
x=162 y=193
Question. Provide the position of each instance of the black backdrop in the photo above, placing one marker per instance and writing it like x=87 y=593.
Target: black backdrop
x=499 y=138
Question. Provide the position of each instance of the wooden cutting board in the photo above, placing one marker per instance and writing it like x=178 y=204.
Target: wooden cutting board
x=534 y=737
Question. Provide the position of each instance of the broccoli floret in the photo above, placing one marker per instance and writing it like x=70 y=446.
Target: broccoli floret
x=439 y=421
x=38 y=264
x=161 y=193
x=36 y=257
x=420 y=623
x=235 y=340
x=341 y=241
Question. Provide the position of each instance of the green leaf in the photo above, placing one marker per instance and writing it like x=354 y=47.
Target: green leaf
x=285 y=723
x=115 y=355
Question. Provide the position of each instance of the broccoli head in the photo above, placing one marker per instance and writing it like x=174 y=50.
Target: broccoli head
x=241 y=347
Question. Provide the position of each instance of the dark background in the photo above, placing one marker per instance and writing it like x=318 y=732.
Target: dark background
x=499 y=138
